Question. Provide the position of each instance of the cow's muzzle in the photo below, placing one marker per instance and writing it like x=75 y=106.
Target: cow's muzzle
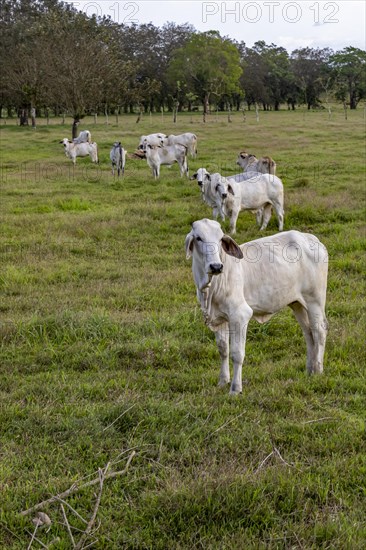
x=216 y=269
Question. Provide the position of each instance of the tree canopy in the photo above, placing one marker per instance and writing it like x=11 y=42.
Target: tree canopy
x=64 y=60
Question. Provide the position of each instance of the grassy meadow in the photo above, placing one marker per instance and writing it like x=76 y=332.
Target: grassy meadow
x=106 y=362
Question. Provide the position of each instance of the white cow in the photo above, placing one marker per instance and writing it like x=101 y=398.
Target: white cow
x=228 y=197
x=118 y=158
x=257 y=279
x=260 y=191
x=156 y=156
x=151 y=139
x=83 y=137
x=252 y=167
x=250 y=163
x=73 y=150
x=214 y=189
x=188 y=139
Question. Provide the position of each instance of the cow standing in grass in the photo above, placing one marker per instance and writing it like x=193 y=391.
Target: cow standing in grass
x=257 y=279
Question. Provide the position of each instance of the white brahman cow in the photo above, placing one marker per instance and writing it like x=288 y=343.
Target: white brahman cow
x=188 y=139
x=257 y=279
x=118 y=158
x=73 y=150
x=83 y=137
x=250 y=163
x=228 y=197
x=262 y=191
x=151 y=139
x=252 y=167
x=214 y=189
x=168 y=155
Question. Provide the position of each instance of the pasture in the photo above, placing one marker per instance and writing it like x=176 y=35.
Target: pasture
x=106 y=362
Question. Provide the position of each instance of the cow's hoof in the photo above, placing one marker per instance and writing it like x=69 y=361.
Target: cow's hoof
x=235 y=392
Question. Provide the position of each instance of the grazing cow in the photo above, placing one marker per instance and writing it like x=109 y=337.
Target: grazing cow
x=151 y=139
x=83 y=137
x=73 y=150
x=118 y=158
x=156 y=156
x=257 y=279
x=188 y=139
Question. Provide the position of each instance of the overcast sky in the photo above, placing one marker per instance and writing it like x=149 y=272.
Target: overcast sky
x=284 y=23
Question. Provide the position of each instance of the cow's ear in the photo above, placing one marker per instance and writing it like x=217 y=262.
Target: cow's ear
x=189 y=245
x=194 y=177
x=231 y=247
x=208 y=176
x=230 y=189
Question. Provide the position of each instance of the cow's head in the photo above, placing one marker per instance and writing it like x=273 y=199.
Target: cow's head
x=205 y=243
x=202 y=177
x=244 y=159
x=65 y=142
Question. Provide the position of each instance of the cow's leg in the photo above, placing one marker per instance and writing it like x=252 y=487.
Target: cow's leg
x=267 y=212
x=259 y=216
x=279 y=213
x=222 y=341
x=319 y=328
x=238 y=332
x=233 y=219
x=303 y=320
x=185 y=166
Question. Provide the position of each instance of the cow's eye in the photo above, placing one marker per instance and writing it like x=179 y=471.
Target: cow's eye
x=198 y=239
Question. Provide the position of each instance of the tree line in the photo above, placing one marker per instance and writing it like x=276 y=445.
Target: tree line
x=60 y=60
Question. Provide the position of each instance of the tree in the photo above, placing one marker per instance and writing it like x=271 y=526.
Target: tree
x=209 y=65
x=309 y=66
x=349 y=71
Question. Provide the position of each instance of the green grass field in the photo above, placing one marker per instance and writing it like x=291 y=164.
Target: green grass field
x=104 y=352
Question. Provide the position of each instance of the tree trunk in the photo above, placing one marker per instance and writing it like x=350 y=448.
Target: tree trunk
x=75 y=127
x=352 y=99
x=23 y=117
x=205 y=107
x=33 y=117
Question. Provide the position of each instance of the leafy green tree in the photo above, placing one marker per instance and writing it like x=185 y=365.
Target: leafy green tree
x=209 y=65
x=349 y=71
x=309 y=66
x=267 y=77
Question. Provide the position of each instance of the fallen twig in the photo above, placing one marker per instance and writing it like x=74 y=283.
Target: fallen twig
x=67 y=525
x=33 y=536
x=263 y=462
x=89 y=527
x=72 y=509
x=75 y=487
x=318 y=420
x=281 y=458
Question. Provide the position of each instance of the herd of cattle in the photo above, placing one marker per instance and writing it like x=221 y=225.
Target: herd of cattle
x=235 y=283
